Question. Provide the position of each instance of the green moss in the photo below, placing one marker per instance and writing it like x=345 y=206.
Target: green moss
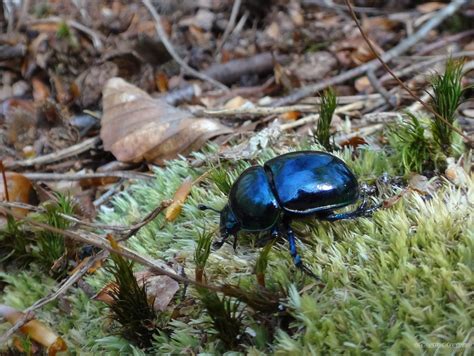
x=393 y=281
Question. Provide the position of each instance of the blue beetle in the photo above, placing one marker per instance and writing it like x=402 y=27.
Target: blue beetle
x=296 y=184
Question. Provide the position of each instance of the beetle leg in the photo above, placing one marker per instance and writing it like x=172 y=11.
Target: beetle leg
x=234 y=245
x=362 y=210
x=275 y=232
x=290 y=235
x=218 y=244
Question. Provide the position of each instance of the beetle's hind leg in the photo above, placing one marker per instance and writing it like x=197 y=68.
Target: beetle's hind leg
x=362 y=210
x=290 y=236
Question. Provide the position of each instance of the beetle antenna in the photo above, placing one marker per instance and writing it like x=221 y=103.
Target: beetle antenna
x=205 y=207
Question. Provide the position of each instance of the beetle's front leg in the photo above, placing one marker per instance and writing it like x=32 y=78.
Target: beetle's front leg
x=290 y=235
x=218 y=244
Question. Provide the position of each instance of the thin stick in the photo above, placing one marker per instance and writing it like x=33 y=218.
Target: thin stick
x=396 y=51
x=377 y=85
x=399 y=81
x=255 y=111
x=131 y=230
x=58 y=155
x=5 y=184
x=330 y=5
x=108 y=194
x=97 y=38
x=150 y=216
x=169 y=47
x=426 y=63
x=230 y=24
x=80 y=176
x=315 y=117
x=25 y=4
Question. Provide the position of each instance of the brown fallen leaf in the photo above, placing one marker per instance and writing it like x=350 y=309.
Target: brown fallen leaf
x=354 y=142
x=456 y=173
x=135 y=126
x=420 y=184
x=161 y=82
x=20 y=190
x=363 y=85
x=237 y=102
x=173 y=211
x=87 y=86
x=313 y=66
x=35 y=330
x=159 y=289
x=291 y=115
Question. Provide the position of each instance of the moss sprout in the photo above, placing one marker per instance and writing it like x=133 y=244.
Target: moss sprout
x=446 y=98
x=130 y=306
x=328 y=106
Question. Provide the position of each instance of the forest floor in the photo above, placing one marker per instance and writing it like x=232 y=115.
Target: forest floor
x=118 y=119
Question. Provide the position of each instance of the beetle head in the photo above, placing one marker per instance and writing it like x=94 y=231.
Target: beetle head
x=229 y=224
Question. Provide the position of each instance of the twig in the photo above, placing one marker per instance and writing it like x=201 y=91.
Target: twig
x=150 y=216
x=17 y=326
x=108 y=194
x=362 y=132
x=97 y=38
x=376 y=84
x=131 y=230
x=374 y=64
x=265 y=110
x=230 y=24
x=427 y=63
x=58 y=155
x=344 y=99
x=330 y=5
x=169 y=47
x=81 y=176
x=315 y=117
x=399 y=81
x=5 y=183
x=445 y=41
x=25 y=4
x=255 y=111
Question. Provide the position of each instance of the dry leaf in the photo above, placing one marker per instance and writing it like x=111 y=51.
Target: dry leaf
x=420 y=184
x=291 y=115
x=88 y=85
x=363 y=85
x=238 y=103
x=173 y=211
x=41 y=91
x=353 y=142
x=35 y=330
x=456 y=174
x=20 y=190
x=161 y=82
x=159 y=289
x=314 y=66
x=135 y=126
x=273 y=31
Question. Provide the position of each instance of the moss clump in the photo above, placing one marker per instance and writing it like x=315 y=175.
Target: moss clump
x=393 y=282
